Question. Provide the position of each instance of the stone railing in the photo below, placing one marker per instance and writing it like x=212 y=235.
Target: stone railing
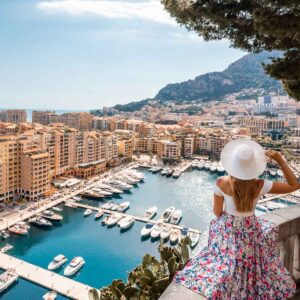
x=288 y=221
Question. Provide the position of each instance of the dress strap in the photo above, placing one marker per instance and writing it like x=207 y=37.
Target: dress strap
x=218 y=191
x=266 y=187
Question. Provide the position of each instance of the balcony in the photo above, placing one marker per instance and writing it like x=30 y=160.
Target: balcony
x=288 y=245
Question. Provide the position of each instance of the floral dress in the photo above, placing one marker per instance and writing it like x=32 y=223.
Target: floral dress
x=240 y=262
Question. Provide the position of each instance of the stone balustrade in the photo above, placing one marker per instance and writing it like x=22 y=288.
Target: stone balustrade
x=288 y=221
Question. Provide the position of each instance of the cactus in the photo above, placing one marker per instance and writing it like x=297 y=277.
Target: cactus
x=150 y=279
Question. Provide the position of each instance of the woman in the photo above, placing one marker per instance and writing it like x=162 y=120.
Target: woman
x=241 y=260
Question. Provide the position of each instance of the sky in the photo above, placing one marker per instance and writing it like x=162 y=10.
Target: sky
x=86 y=54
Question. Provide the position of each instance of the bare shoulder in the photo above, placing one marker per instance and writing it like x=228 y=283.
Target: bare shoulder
x=222 y=181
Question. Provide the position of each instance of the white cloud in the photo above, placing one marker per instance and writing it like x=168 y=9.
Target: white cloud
x=149 y=10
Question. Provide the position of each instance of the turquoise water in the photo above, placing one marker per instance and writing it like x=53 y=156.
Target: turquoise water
x=110 y=254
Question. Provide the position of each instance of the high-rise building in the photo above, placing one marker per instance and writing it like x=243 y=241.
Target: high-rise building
x=13 y=116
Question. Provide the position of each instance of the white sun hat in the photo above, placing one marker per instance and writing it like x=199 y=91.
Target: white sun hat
x=243 y=159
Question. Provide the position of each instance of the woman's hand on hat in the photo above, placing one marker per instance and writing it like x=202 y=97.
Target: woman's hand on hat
x=274 y=155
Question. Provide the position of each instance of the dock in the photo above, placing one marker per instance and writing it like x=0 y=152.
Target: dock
x=50 y=280
x=136 y=218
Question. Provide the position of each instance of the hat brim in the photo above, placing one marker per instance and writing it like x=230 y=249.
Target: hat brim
x=251 y=171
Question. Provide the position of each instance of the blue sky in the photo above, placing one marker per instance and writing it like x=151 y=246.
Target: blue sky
x=82 y=54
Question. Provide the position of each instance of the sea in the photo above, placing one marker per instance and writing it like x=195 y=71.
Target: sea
x=109 y=253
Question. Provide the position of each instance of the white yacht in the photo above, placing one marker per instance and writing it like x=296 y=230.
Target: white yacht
x=273 y=173
x=220 y=170
x=7 y=279
x=15 y=229
x=135 y=174
x=74 y=266
x=50 y=215
x=194 y=164
x=156 y=230
x=56 y=208
x=114 y=219
x=213 y=168
x=207 y=165
x=6 y=248
x=57 y=262
x=41 y=222
x=4 y=234
x=261 y=207
x=103 y=192
x=176 y=216
x=99 y=214
x=176 y=173
x=23 y=225
x=120 y=185
x=126 y=222
x=150 y=213
x=167 y=214
x=194 y=236
x=87 y=212
x=50 y=295
x=146 y=229
x=164 y=171
x=175 y=235
x=165 y=232
x=107 y=187
x=107 y=205
x=123 y=206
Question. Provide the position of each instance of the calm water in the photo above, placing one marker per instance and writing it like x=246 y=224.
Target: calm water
x=108 y=253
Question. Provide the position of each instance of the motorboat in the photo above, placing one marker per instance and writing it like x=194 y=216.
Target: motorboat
x=146 y=229
x=104 y=221
x=220 y=170
x=121 y=185
x=176 y=216
x=6 y=248
x=165 y=232
x=156 y=230
x=57 y=208
x=7 y=279
x=194 y=164
x=41 y=222
x=92 y=195
x=207 y=165
x=114 y=219
x=74 y=266
x=135 y=174
x=200 y=166
x=99 y=214
x=194 y=236
x=156 y=170
x=76 y=198
x=4 y=234
x=114 y=207
x=57 y=262
x=50 y=215
x=175 y=235
x=123 y=206
x=151 y=212
x=167 y=214
x=261 y=208
x=164 y=172
x=176 y=173
x=107 y=205
x=87 y=212
x=169 y=172
x=109 y=188
x=23 y=225
x=126 y=222
x=50 y=295
x=103 y=192
x=213 y=168
x=15 y=229
x=129 y=180
x=273 y=173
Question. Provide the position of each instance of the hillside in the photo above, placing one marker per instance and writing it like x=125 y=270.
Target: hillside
x=247 y=72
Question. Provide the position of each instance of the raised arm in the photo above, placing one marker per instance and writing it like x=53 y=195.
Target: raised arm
x=292 y=183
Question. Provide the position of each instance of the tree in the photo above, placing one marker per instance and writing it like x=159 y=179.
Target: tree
x=251 y=25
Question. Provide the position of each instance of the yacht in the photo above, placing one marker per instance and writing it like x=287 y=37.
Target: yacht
x=23 y=225
x=129 y=180
x=273 y=173
x=41 y=222
x=104 y=221
x=167 y=214
x=121 y=185
x=169 y=172
x=92 y=195
x=50 y=215
x=146 y=229
x=194 y=236
x=50 y=295
x=15 y=229
x=99 y=214
x=76 y=198
x=213 y=168
x=156 y=230
x=103 y=192
x=176 y=173
x=87 y=212
x=261 y=207
x=107 y=205
x=151 y=212
x=156 y=170
x=4 y=234
x=164 y=172
x=114 y=207
x=126 y=222
x=56 y=209
x=123 y=206
x=75 y=265
x=165 y=232
x=194 y=164
x=176 y=216
x=57 y=262
x=7 y=279
x=135 y=174
x=114 y=219
x=109 y=188
x=6 y=248
x=207 y=165
x=175 y=235
x=220 y=170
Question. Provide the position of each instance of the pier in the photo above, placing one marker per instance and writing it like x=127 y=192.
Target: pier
x=50 y=280
x=136 y=218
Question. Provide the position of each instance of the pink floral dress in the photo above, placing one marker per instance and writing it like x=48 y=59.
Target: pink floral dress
x=240 y=262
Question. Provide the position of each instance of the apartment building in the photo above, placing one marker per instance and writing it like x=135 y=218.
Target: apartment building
x=126 y=147
x=188 y=146
x=143 y=145
x=210 y=144
x=263 y=124
x=169 y=150
x=13 y=116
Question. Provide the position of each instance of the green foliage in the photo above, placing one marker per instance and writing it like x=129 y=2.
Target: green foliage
x=151 y=278
x=251 y=25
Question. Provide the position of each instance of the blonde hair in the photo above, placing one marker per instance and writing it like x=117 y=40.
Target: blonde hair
x=243 y=193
